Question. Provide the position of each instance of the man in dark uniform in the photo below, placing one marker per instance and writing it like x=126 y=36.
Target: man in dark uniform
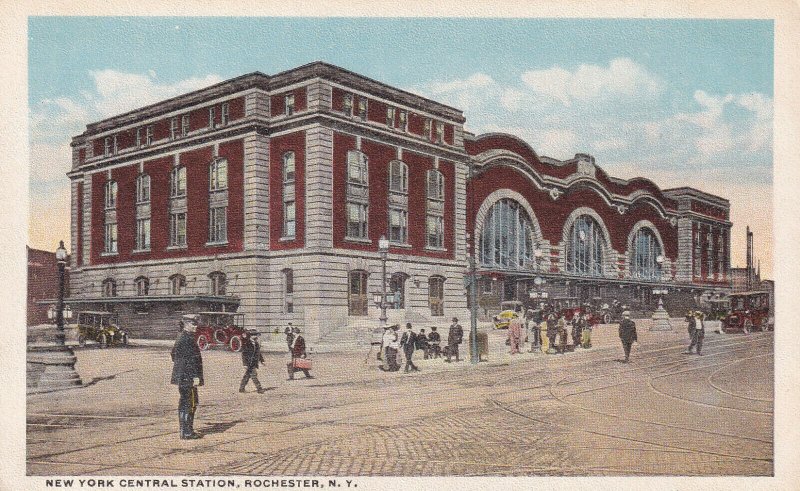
x=251 y=358
x=434 y=340
x=627 y=334
x=408 y=342
x=454 y=338
x=187 y=374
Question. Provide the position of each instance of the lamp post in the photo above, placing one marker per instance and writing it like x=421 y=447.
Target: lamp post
x=475 y=357
x=51 y=363
x=383 y=248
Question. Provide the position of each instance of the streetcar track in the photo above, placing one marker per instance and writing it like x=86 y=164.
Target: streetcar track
x=720 y=389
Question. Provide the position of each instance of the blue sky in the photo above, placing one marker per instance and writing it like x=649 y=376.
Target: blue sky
x=685 y=102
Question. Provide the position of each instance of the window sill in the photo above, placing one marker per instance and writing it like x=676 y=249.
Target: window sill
x=358 y=240
x=435 y=249
x=177 y=248
x=287 y=239
x=216 y=244
x=109 y=254
x=402 y=245
x=140 y=251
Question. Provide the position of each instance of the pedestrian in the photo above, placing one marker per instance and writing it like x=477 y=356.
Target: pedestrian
x=562 y=334
x=187 y=374
x=394 y=348
x=691 y=327
x=422 y=344
x=586 y=334
x=298 y=351
x=251 y=359
x=386 y=340
x=534 y=320
x=577 y=329
x=454 y=338
x=515 y=334
x=627 y=334
x=409 y=342
x=289 y=336
x=552 y=331
x=699 y=333
x=434 y=341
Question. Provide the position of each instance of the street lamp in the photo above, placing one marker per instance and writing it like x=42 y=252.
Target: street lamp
x=61 y=258
x=383 y=248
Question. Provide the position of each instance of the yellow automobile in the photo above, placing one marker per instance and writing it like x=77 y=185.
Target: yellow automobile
x=508 y=310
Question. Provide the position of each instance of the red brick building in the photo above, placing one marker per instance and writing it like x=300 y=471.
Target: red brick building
x=42 y=284
x=268 y=194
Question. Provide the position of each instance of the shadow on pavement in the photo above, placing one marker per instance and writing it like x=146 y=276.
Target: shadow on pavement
x=107 y=377
x=212 y=428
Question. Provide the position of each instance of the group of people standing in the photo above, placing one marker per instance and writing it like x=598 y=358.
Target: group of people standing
x=557 y=332
x=392 y=342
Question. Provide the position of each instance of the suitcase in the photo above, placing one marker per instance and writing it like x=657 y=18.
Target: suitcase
x=301 y=363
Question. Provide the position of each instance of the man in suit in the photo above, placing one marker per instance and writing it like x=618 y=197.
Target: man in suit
x=454 y=338
x=251 y=359
x=627 y=334
x=187 y=374
x=408 y=342
x=298 y=350
x=699 y=333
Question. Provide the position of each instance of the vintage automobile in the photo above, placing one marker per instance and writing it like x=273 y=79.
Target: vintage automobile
x=748 y=311
x=225 y=329
x=569 y=307
x=509 y=310
x=100 y=327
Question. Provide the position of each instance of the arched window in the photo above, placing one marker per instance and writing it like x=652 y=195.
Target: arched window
x=646 y=255
x=358 y=293
x=177 y=284
x=142 y=286
x=398 y=202
x=357 y=195
x=177 y=182
x=109 y=287
x=434 y=212
x=436 y=295
x=397 y=287
x=585 y=245
x=218 y=282
x=506 y=239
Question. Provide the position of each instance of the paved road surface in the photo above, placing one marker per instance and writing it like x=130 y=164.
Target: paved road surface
x=583 y=413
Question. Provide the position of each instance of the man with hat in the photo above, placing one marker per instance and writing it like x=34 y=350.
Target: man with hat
x=627 y=334
x=454 y=338
x=251 y=358
x=434 y=340
x=187 y=374
x=408 y=342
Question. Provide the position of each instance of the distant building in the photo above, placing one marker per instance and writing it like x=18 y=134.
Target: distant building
x=268 y=194
x=42 y=284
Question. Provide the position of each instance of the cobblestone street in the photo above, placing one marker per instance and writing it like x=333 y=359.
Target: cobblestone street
x=583 y=413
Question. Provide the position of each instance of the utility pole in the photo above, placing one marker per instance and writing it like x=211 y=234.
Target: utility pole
x=473 y=290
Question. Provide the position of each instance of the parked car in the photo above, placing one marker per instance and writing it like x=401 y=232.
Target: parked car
x=219 y=329
x=509 y=310
x=748 y=311
x=100 y=327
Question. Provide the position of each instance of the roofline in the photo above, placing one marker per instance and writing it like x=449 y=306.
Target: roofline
x=684 y=190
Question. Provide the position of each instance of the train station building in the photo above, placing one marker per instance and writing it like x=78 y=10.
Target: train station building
x=268 y=194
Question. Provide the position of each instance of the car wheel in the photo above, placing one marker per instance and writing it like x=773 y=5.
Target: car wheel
x=235 y=344
x=82 y=340
x=103 y=340
x=606 y=318
x=221 y=336
x=202 y=342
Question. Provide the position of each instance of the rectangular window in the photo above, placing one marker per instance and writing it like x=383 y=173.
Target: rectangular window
x=110 y=238
x=226 y=113
x=362 y=108
x=115 y=145
x=107 y=146
x=288 y=104
x=403 y=121
x=143 y=189
x=212 y=115
x=184 y=125
x=427 y=131
x=138 y=137
x=177 y=229
x=390 y=117
x=357 y=220
x=347 y=104
x=143 y=234
x=173 y=128
x=217 y=226
x=218 y=178
x=439 y=132
x=398 y=226
x=434 y=236
x=111 y=195
x=178 y=182
x=289 y=222
x=148 y=135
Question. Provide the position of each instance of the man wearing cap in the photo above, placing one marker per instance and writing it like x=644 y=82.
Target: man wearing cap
x=251 y=358
x=187 y=374
x=627 y=334
x=454 y=338
x=408 y=342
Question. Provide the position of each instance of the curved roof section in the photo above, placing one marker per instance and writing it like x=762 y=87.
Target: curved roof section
x=491 y=146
